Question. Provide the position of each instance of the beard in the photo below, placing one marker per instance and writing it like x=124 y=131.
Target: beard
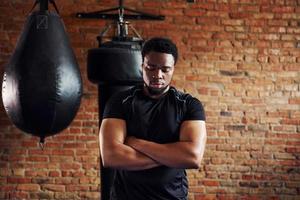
x=156 y=91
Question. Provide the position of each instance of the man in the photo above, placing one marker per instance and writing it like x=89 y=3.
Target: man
x=150 y=134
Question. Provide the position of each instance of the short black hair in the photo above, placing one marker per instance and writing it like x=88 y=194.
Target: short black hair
x=161 y=45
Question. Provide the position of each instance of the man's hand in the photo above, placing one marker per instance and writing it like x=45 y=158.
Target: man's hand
x=130 y=153
x=116 y=154
x=187 y=153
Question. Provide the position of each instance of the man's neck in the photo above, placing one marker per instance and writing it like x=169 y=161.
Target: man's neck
x=155 y=94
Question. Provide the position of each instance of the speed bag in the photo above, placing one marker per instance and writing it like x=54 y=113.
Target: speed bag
x=115 y=63
x=42 y=86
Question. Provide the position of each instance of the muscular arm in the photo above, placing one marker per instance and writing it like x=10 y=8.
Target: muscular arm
x=187 y=153
x=116 y=154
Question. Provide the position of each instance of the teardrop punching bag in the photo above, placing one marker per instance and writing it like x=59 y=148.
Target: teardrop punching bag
x=42 y=86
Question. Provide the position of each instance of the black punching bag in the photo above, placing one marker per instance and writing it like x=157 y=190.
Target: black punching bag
x=42 y=86
x=115 y=66
x=116 y=63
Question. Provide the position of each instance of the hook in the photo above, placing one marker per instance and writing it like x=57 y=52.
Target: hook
x=42 y=142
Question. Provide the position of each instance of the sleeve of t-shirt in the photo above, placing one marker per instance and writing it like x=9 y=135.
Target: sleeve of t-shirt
x=195 y=110
x=113 y=107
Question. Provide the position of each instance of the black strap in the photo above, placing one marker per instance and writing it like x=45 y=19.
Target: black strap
x=51 y=1
x=34 y=5
x=54 y=5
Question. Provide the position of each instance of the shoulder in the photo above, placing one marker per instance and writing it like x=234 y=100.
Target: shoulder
x=125 y=94
x=193 y=107
x=114 y=107
x=183 y=96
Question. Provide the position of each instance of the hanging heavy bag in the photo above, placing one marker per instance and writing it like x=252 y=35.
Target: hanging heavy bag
x=115 y=66
x=115 y=63
x=42 y=86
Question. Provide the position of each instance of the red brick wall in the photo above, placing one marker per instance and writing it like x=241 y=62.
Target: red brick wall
x=239 y=57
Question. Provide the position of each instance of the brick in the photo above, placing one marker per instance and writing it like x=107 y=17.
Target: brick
x=29 y=144
x=88 y=138
x=91 y=166
x=63 y=152
x=20 y=180
x=292 y=150
x=39 y=152
x=204 y=6
x=240 y=15
x=54 y=173
x=284 y=156
x=196 y=78
x=294 y=101
x=93 y=145
x=263 y=16
x=292 y=184
x=172 y=12
x=59 y=159
x=66 y=195
x=195 y=12
x=270 y=37
x=291 y=121
x=249 y=184
x=92 y=173
x=89 y=195
x=42 y=195
x=53 y=144
x=149 y=4
x=233 y=22
x=222 y=36
x=18 y=195
x=65 y=137
x=54 y=188
x=28 y=187
x=72 y=188
x=87 y=152
x=36 y=173
x=283 y=9
x=282 y=191
x=7 y=188
x=66 y=166
x=205 y=196
x=41 y=180
x=210 y=183
x=74 y=145
x=196 y=189
x=18 y=172
x=37 y=159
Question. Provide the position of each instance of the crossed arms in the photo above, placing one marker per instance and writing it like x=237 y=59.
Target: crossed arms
x=129 y=153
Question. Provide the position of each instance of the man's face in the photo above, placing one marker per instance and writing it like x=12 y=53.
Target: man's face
x=158 y=70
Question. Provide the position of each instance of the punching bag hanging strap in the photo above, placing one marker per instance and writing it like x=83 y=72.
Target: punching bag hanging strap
x=44 y=5
x=54 y=5
x=34 y=5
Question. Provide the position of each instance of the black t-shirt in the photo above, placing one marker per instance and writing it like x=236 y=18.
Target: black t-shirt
x=156 y=120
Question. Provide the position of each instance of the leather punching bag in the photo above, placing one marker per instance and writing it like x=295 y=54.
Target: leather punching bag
x=42 y=86
x=115 y=66
x=115 y=63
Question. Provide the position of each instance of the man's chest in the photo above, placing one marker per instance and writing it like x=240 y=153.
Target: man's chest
x=157 y=121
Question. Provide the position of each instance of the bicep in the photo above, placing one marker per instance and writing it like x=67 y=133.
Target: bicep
x=112 y=132
x=193 y=131
x=116 y=154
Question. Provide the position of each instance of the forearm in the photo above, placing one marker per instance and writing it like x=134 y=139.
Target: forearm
x=178 y=155
x=125 y=157
x=115 y=153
